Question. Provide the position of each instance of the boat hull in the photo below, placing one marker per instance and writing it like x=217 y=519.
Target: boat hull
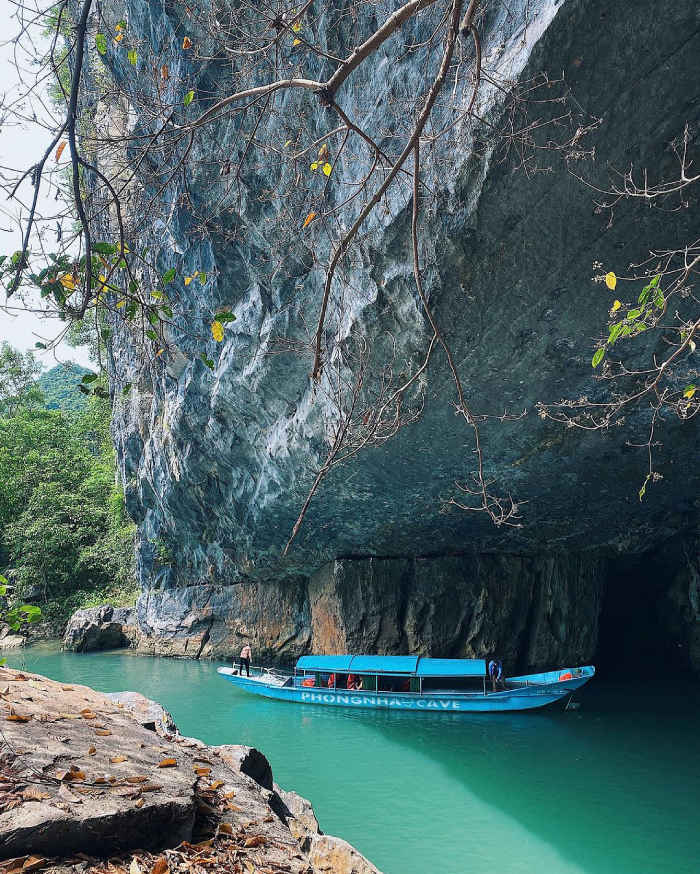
x=528 y=698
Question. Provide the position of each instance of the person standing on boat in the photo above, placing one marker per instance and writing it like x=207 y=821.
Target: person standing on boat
x=246 y=656
x=496 y=673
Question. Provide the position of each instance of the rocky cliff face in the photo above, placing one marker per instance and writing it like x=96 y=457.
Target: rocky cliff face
x=217 y=464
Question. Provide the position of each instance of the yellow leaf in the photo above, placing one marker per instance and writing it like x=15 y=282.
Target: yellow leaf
x=167 y=763
x=309 y=218
x=327 y=169
x=689 y=392
x=616 y=306
x=296 y=42
x=610 y=280
x=288 y=143
x=118 y=28
x=217 y=331
x=160 y=352
x=188 y=279
x=119 y=37
x=121 y=303
x=202 y=772
x=296 y=27
x=187 y=43
x=68 y=281
x=59 y=150
x=314 y=166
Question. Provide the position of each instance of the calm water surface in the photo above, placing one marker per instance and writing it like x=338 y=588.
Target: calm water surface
x=612 y=788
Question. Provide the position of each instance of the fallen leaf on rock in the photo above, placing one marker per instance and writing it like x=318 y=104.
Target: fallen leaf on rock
x=115 y=760
x=33 y=794
x=86 y=790
x=67 y=688
x=33 y=863
x=269 y=819
x=160 y=867
x=255 y=841
x=99 y=780
x=102 y=732
x=136 y=779
x=92 y=751
x=135 y=868
x=74 y=775
x=225 y=828
x=139 y=803
x=126 y=791
x=231 y=806
x=230 y=794
x=217 y=784
x=35 y=685
x=67 y=795
x=249 y=865
x=201 y=772
x=19 y=678
x=167 y=763
x=88 y=714
x=16 y=717
x=150 y=787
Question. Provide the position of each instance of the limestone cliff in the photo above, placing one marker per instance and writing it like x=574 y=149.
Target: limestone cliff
x=217 y=464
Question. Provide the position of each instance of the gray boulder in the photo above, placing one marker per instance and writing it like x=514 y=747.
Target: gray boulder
x=96 y=628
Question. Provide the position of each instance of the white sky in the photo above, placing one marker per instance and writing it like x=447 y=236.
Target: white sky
x=20 y=147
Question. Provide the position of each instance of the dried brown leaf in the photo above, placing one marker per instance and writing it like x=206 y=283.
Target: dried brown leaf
x=160 y=867
x=168 y=763
x=115 y=760
x=67 y=795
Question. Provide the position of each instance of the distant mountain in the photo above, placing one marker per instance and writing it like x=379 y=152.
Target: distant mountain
x=60 y=387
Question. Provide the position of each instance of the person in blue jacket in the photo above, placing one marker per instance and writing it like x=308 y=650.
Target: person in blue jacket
x=496 y=673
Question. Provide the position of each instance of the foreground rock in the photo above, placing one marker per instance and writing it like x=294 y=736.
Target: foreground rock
x=100 y=776
x=102 y=627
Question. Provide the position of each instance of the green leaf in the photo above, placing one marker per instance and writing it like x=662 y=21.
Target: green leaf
x=167 y=311
x=225 y=317
x=152 y=317
x=202 y=277
x=84 y=389
x=131 y=309
x=189 y=97
x=655 y=281
x=3 y=582
x=121 y=25
x=598 y=357
x=207 y=361
x=105 y=333
x=126 y=389
x=89 y=377
x=643 y=489
x=133 y=56
x=151 y=335
x=104 y=248
x=634 y=314
x=169 y=275
x=659 y=299
x=615 y=332
x=40 y=345
x=101 y=43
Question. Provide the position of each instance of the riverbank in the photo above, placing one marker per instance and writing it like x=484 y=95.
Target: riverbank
x=98 y=778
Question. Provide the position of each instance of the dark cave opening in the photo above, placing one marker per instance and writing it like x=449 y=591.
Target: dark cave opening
x=636 y=635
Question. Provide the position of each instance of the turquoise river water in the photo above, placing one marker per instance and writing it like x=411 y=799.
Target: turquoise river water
x=611 y=788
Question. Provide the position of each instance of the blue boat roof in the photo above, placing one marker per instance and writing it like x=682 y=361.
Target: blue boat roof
x=415 y=665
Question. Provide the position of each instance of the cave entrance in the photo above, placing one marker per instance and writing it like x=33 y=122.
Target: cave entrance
x=633 y=634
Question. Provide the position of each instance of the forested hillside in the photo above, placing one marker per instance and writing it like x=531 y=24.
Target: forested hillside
x=60 y=387
x=65 y=540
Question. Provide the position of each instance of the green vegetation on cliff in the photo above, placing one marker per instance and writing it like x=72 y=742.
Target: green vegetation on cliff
x=65 y=539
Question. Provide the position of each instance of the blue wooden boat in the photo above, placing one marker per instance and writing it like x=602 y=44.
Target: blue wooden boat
x=408 y=683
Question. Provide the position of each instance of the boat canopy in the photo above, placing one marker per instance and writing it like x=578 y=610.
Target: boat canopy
x=413 y=665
